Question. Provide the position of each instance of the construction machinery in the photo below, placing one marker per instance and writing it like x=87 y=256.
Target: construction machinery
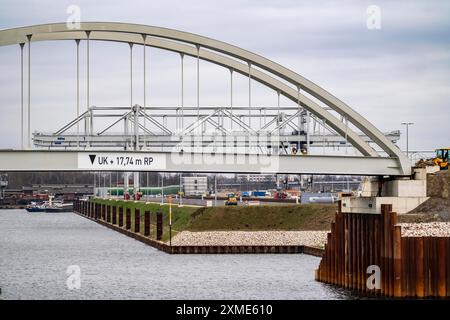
x=232 y=200
x=442 y=158
x=280 y=195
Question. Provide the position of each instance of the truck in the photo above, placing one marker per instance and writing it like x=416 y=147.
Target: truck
x=245 y=194
x=258 y=193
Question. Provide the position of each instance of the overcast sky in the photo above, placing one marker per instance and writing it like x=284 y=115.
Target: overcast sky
x=398 y=73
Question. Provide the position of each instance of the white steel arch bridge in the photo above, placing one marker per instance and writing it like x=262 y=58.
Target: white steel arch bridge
x=199 y=138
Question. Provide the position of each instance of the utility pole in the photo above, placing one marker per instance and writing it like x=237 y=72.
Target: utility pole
x=215 y=190
x=162 y=188
x=180 y=204
x=407 y=124
x=170 y=220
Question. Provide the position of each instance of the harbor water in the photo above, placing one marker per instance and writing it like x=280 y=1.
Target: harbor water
x=40 y=251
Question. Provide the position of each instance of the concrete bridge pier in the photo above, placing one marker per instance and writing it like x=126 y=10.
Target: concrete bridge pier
x=403 y=193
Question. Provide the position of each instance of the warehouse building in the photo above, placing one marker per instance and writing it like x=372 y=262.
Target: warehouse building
x=195 y=186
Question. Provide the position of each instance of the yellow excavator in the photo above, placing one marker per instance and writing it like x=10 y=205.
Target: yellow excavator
x=442 y=158
x=232 y=200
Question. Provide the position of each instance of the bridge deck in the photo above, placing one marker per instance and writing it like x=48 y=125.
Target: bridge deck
x=39 y=160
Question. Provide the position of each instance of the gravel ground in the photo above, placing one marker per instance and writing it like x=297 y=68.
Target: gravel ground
x=279 y=238
x=430 y=229
x=257 y=238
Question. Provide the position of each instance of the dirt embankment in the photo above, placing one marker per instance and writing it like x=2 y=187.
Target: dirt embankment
x=437 y=208
x=256 y=218
x=438 y=184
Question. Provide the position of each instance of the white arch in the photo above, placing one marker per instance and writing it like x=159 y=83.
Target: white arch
x=163 y=38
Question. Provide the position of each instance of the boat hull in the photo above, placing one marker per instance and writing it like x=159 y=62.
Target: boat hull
x=35 y=209
x=58 y=209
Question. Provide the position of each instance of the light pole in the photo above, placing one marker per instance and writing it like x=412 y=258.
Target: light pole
x=215 y=190
x=170 y=220
x=407 y=124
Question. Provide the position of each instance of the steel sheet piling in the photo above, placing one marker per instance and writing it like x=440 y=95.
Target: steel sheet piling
x=397 y=262
x=114 y=215
x=348 y=245
x=137 y=221
x=426 y=266
x=419 y=267
x=120 y=216
x=354 y=250
x=358 y=250
x=434 y=274
x=147 y=223
x=447 y=259
x=159 y=225
x=128 y=219
x=333 y=253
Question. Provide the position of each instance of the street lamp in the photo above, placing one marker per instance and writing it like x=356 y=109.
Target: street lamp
x=407 y=124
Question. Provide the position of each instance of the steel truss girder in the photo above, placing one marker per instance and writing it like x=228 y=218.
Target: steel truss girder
x=150 y=140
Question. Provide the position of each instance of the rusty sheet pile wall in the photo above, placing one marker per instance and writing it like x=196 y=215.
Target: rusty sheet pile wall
x=359 y=244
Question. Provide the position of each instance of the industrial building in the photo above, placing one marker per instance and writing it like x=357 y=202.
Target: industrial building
x=195 y=186
x=256 y=178
x=3 y=185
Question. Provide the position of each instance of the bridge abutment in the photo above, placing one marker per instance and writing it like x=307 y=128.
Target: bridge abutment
x=403 y=193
